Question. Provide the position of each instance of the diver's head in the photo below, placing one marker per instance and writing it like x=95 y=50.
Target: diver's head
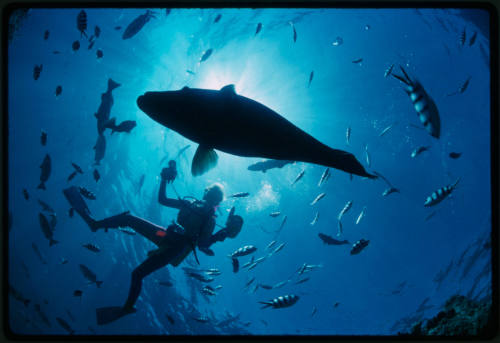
x=214 y=194
x=171 y=164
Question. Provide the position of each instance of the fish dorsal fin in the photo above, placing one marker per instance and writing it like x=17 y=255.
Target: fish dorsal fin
x=229 y=89
x=204 y=159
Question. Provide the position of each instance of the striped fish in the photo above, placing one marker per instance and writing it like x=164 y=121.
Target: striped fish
x=281 y=302
x=439 y=195
x=424 y=105
x=463 y=37
x=243 y=251
x=81 y=23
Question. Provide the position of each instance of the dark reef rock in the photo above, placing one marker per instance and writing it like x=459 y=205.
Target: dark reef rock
x=459 y=317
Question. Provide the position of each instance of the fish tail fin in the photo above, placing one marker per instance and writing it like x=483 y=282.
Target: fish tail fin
x=265 y=303
x=41 y=186
x=400 y=79
x=98 y=284
x=52 y=242
x=112 y=85
x=204 y=159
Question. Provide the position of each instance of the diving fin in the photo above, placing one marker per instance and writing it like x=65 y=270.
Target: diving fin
x=106 y=315
x=204 y=159
x=76 y=201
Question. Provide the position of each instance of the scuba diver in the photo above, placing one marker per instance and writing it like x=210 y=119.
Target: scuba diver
x=194 y=228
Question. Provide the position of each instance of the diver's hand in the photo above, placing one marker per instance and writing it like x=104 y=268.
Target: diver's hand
x=169 y=174
x=233 y=224
x=164 y=173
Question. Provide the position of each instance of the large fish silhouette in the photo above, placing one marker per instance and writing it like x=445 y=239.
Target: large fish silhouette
x=223 y=120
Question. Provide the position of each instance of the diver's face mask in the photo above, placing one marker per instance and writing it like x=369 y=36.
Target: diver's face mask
x=213 y=197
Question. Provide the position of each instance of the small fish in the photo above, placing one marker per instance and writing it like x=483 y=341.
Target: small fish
x=64 y=261
x=243 y=251
x=348 y=135
x=124 y=126
x=367 y=27
x=278 y=248
x=137 y=24
x=70 y=315
x=75 y=46
x=218 y=287
x=90 y=275
x=71 y=212
x=455 y=155
x=91 y=45
x=170 y=319
x=249 y=282
x=99 y=53
x=390 y=190
x=77 y=293
x=302 y=280
x=207 y=290
x=463 y=37
x=281 y=284
x=72 y=175
x=294 y=32
x=270 y=245
x=190 y=72
x=65 y=325
x=46 y=229
x=311 y=76
x=282 y=223
x=384 y=131
x=423 y=104
x=367 y=155
x=43 y=138
x=117 y=28
x=56 y=52
x=58 y=90
x=26 y=194
x=338 y=41
x=36 y=71
x=473 y=38
x=318 y=198
x=324 y=177
x=430 y=215
x=301 y=174
x=330 y=240
x=97 y=31
x=86 y=193
x=281 y=302
x=417 y=151
x=340 y=230
x=388 y=71
x=42 y=315
x=265 y=286
x=359 y=60
x=316 y=217
x=38 y=253
x=128 y=232
x=257 y=30
x=81 y=23
x=18 y=296
x=216 y=20
x=274 y=214
x=462 y=88
x=439 y=195
x=91 y=247
x=336 y=305
x=45 y=207
x=346 y=208
x=206 y=55
x=201 y=319
x=314 y=311
x=236 y=264
x=46 y=35
x=359 y=246
x=77 y=168
x=361 y=215
x=97 y=176
x=240 y=195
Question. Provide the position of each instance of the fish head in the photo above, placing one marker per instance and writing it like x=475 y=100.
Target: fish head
x=172 y=109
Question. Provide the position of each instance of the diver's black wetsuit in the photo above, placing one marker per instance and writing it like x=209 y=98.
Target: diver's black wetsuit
x=172 y=236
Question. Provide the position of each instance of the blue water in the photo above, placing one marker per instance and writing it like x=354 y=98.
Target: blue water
x=273 y=70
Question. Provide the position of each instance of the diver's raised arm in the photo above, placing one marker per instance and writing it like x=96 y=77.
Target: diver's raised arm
x=162 y=194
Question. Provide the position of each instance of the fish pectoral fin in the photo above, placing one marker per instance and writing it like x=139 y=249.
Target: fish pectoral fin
x=204 y=159
x=229 y=90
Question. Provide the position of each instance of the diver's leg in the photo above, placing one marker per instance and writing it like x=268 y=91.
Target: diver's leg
x=151 y=231
x=150 y=265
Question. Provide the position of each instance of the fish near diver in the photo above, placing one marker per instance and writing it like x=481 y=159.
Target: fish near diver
x=237 y=125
